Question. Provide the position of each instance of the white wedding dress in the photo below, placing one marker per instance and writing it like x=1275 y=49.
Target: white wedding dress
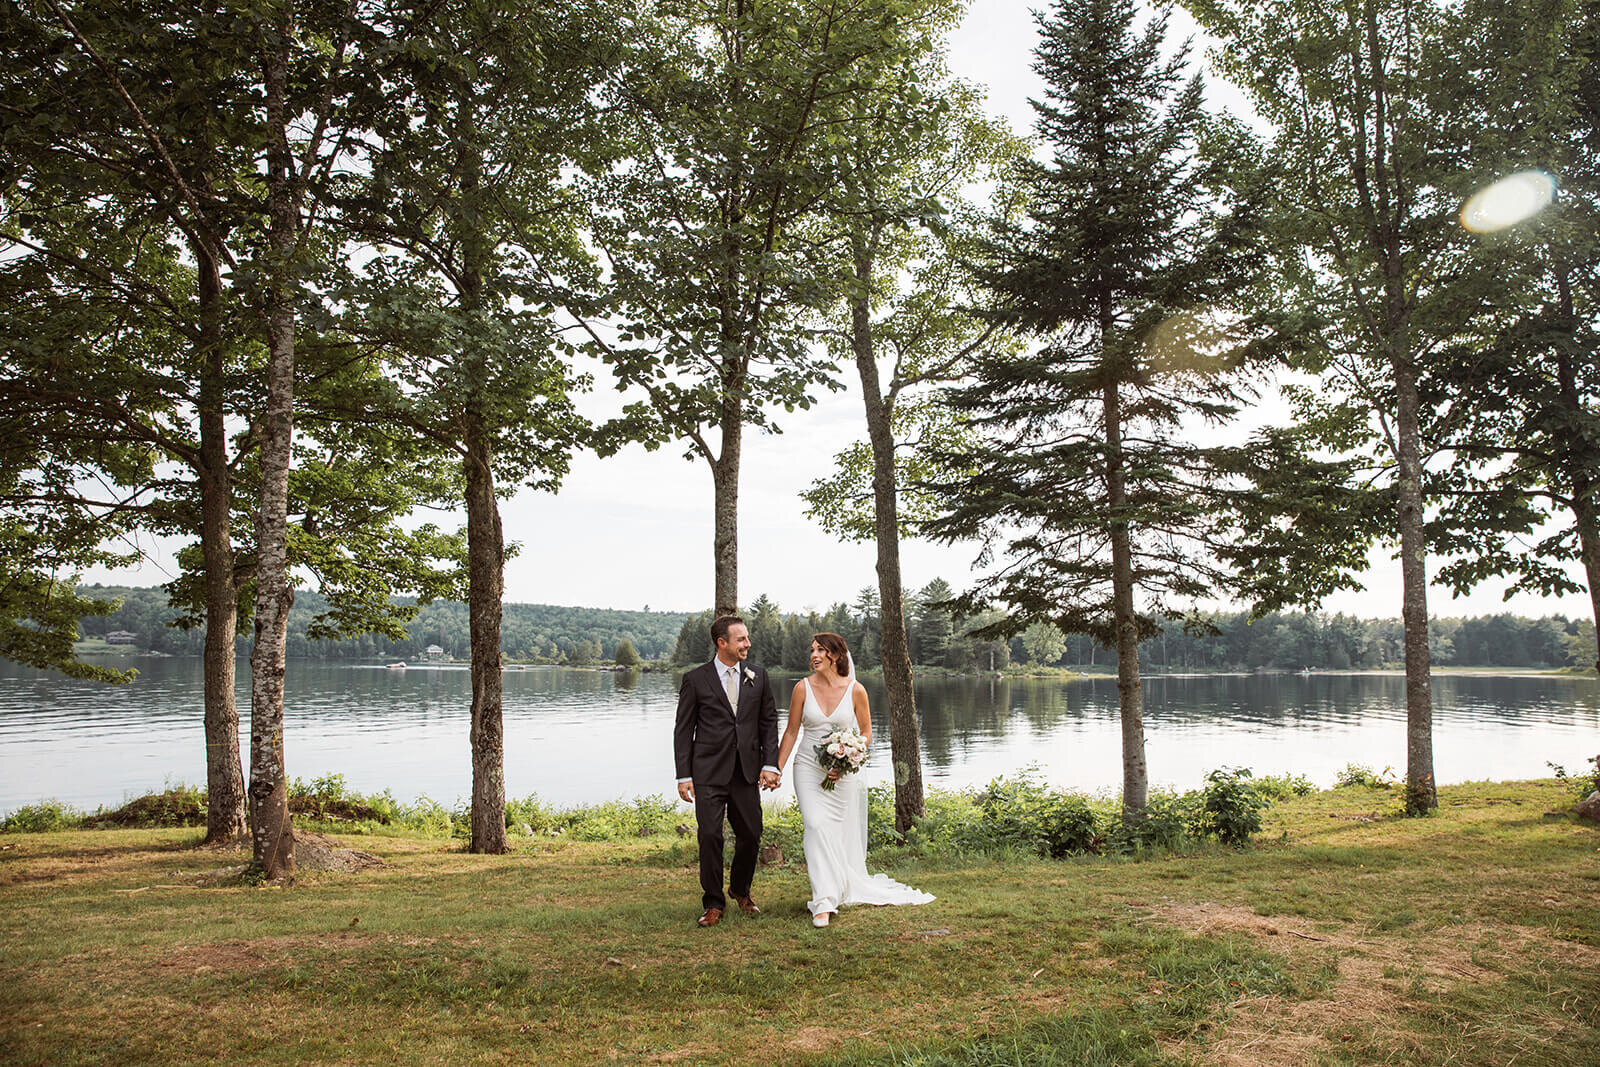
x=836 y=822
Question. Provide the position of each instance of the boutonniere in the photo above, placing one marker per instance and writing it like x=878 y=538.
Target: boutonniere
x=749 y=675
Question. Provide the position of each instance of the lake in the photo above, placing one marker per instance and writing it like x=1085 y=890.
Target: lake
x=576 y=736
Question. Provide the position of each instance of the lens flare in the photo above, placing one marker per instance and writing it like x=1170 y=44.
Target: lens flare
x=1508 y=201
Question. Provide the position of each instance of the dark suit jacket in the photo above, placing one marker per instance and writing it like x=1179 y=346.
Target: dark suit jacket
x=710 y=742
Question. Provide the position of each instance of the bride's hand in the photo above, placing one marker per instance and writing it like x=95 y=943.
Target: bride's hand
x=834 y=775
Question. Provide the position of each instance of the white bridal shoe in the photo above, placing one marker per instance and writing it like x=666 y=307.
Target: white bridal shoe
x=820 y=919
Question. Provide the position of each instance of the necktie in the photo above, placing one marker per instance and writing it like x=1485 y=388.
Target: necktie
x=733 y=689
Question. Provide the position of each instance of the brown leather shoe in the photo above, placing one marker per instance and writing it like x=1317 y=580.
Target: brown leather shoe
x=747 y=905
x=711 y=918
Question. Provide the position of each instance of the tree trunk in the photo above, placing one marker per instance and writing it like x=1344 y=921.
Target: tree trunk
x=1583 y=510
x=1584 y=503
x=225 y=796
x=271 y=834
x=725 y=482
x=894 y=648
x=1135 y=773
x=1421 y=794
x=485 y=586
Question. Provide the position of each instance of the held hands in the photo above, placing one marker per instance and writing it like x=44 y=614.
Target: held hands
x=770 y=779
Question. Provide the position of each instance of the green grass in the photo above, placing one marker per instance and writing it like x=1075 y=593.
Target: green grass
x=1345 y=935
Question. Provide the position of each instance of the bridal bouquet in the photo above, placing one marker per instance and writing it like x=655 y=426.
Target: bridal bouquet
x=843 y=751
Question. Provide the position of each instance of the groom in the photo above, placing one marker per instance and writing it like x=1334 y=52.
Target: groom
x=726 y=746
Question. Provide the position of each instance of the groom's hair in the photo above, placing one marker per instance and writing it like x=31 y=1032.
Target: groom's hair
x=719 y=629
x=834 y=646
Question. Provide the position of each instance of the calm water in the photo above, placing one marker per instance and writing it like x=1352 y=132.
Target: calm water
x=583 y=736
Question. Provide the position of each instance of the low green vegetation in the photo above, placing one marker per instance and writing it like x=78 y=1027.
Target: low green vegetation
x=1011 y=815
x=1345 y=934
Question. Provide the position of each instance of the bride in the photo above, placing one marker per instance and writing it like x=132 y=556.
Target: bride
x=835 y=820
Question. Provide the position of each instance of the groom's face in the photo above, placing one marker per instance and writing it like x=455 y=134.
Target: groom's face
x=736 y=645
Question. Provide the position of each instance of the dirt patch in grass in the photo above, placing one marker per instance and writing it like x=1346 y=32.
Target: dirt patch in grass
x=1379 y=979
x=813 y=1039
x=312 y=852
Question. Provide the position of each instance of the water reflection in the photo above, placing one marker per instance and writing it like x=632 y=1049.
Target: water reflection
x=581 y=736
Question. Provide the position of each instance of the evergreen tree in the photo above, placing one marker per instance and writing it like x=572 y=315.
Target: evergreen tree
x=694 y=641
x=626 y=656
x=934 y=625
x=766 y=631
x=1124 y=248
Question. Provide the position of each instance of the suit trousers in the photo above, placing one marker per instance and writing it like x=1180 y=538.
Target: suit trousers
x=741 y=801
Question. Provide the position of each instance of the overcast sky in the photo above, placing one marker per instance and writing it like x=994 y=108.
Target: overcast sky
x=635 y=530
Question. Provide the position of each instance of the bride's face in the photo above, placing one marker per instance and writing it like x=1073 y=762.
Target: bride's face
x=819 y=657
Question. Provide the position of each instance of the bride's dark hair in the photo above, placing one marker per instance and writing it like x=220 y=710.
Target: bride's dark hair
x=834 y=646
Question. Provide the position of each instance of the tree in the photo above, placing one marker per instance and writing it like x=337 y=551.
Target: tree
x=694 y=642
x=626 y=656
x=1044 y=643
x=1533 y=428
x=915 y=140
x=1377 y=280
x=933 y=621
x=706 y=228
x=470 y=218
x=132 y=259
x=1126 y=241
x=766 y=630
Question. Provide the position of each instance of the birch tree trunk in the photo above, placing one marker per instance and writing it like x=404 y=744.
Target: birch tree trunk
x=895 y=650
x=271 y=835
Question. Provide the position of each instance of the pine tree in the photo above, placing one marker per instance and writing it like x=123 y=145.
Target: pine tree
x=1123 y=247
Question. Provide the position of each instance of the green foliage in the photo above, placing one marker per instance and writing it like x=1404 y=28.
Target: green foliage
x=536 y=632
x=47 y=816
x=1231 y=806
x=1122 y=234
x=1165 y=825
x=1359 y=774
x=1276 y=787
x=1581 y=784
x=1018 y=811
x=625 y=655
x=1016 y=815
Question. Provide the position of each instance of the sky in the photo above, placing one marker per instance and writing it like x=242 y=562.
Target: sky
x=634 y=531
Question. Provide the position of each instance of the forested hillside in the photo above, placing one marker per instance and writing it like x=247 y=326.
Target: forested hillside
x=531 y=632
x=551 y=634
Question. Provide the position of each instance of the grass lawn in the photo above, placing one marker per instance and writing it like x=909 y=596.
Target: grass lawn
x=1346 y=935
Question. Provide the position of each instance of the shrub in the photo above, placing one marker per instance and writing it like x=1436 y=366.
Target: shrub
x=329 y=798
x=1361 y=774
x=45 y=817
x=1276 y=787
x=1580 y=784
x=1230 y=806
x=1165 y=824
x=1021 y=813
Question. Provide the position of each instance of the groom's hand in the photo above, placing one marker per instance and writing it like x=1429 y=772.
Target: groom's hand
x=770 y=779
x=686 y=791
